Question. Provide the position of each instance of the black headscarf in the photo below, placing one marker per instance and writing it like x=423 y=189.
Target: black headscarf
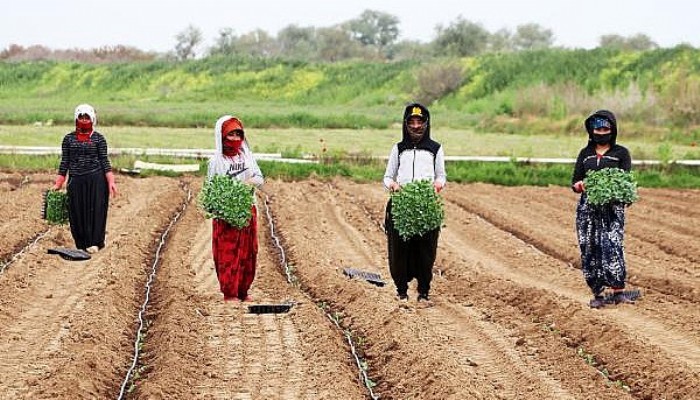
x=607 y=115
x=426 y=143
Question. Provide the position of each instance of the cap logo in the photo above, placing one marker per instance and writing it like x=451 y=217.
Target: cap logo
x=417 y=112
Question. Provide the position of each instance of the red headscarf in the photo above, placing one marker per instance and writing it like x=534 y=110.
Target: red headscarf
x=231 y=147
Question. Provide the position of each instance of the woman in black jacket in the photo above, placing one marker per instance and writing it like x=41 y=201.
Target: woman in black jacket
x=601 y=228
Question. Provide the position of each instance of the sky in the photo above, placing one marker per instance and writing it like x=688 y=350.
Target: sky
x=152 y=25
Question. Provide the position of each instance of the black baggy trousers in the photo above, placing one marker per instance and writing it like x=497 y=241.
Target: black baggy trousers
x=411 y=258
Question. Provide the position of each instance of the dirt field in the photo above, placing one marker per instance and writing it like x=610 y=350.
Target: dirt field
x=508 y=320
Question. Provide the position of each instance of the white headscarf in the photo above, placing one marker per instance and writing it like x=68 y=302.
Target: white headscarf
x=89 y=110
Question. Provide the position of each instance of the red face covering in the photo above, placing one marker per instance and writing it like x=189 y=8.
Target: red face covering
x=83 y=129
x=231 y=147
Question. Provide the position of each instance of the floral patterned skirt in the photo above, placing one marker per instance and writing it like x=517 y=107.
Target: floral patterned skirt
x=601 y=232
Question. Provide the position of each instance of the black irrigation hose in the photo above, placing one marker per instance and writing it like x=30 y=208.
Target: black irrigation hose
x=283 y=260
x=139 y=332
x=25 y=248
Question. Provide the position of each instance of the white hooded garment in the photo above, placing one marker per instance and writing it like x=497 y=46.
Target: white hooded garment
x=241 y=166
x=89 y=110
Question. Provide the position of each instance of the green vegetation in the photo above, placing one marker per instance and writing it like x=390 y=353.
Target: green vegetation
x=654 y=92
x=365 y=170
x=610 y=185
x=343 y=143
x=416 y=209
x=228 y=199
x=528 y=103
x=56 y=203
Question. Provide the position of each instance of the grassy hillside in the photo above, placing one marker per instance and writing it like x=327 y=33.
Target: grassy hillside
x=655 y=93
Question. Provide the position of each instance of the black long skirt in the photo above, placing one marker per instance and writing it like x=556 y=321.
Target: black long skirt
x=88 y=200
x=412 y=258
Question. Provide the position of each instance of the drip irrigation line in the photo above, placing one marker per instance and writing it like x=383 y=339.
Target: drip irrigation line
x=25 y=248
x=283 y=256
x=363 y=373
x=139 y=332
x=290 y=279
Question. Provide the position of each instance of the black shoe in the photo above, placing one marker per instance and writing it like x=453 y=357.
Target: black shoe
x=597 y=302
x=423 y=297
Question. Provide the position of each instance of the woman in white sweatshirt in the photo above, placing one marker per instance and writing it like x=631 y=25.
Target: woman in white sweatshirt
x=415 y=157
x=235 y=250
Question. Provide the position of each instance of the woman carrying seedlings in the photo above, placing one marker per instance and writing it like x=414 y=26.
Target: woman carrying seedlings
x=601 y=228
x=416 y=157
x=90 y=180
x=235 y=250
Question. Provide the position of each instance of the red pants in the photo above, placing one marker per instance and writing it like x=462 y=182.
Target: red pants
x=235 y=254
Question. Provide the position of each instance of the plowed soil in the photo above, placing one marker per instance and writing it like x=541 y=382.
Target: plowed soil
x=508 y=317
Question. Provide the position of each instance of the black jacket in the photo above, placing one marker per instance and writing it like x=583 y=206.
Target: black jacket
x=616 y=157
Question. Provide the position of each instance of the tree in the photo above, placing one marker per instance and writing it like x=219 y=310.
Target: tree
x=187 y=42
x=410 y=50
x=461 y=38
x=298 y=42
x=226 y=42
x=641 y=42
x=374 y=28
x=532 y=37
x=501 y=41
x=257 y=43
x=335 y=44
x=638 y=42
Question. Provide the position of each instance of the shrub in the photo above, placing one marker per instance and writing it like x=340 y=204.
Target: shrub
x=438 y=80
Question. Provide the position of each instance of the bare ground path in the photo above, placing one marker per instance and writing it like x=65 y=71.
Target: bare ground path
x=201 y=347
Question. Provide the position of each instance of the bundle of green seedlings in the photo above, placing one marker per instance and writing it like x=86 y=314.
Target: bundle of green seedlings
x=56 y=207
x=610 y=185
x=416 y=209
x=228 y=199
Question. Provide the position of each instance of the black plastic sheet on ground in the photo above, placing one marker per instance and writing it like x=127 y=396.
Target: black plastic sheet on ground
x=70 y=254
x=269 y=308
x=370 y=277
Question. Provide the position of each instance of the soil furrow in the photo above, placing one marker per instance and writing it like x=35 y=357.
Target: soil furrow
x=77 y=316
x=227 y=353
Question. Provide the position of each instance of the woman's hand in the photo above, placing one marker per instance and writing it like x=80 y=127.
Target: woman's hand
x=579 y=187
x=58 y=183
x=394 y=187
x=438 y=186
x=112 y=185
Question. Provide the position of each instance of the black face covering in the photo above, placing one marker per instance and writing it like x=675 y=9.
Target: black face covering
x=416 y=134
x=602 y=139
